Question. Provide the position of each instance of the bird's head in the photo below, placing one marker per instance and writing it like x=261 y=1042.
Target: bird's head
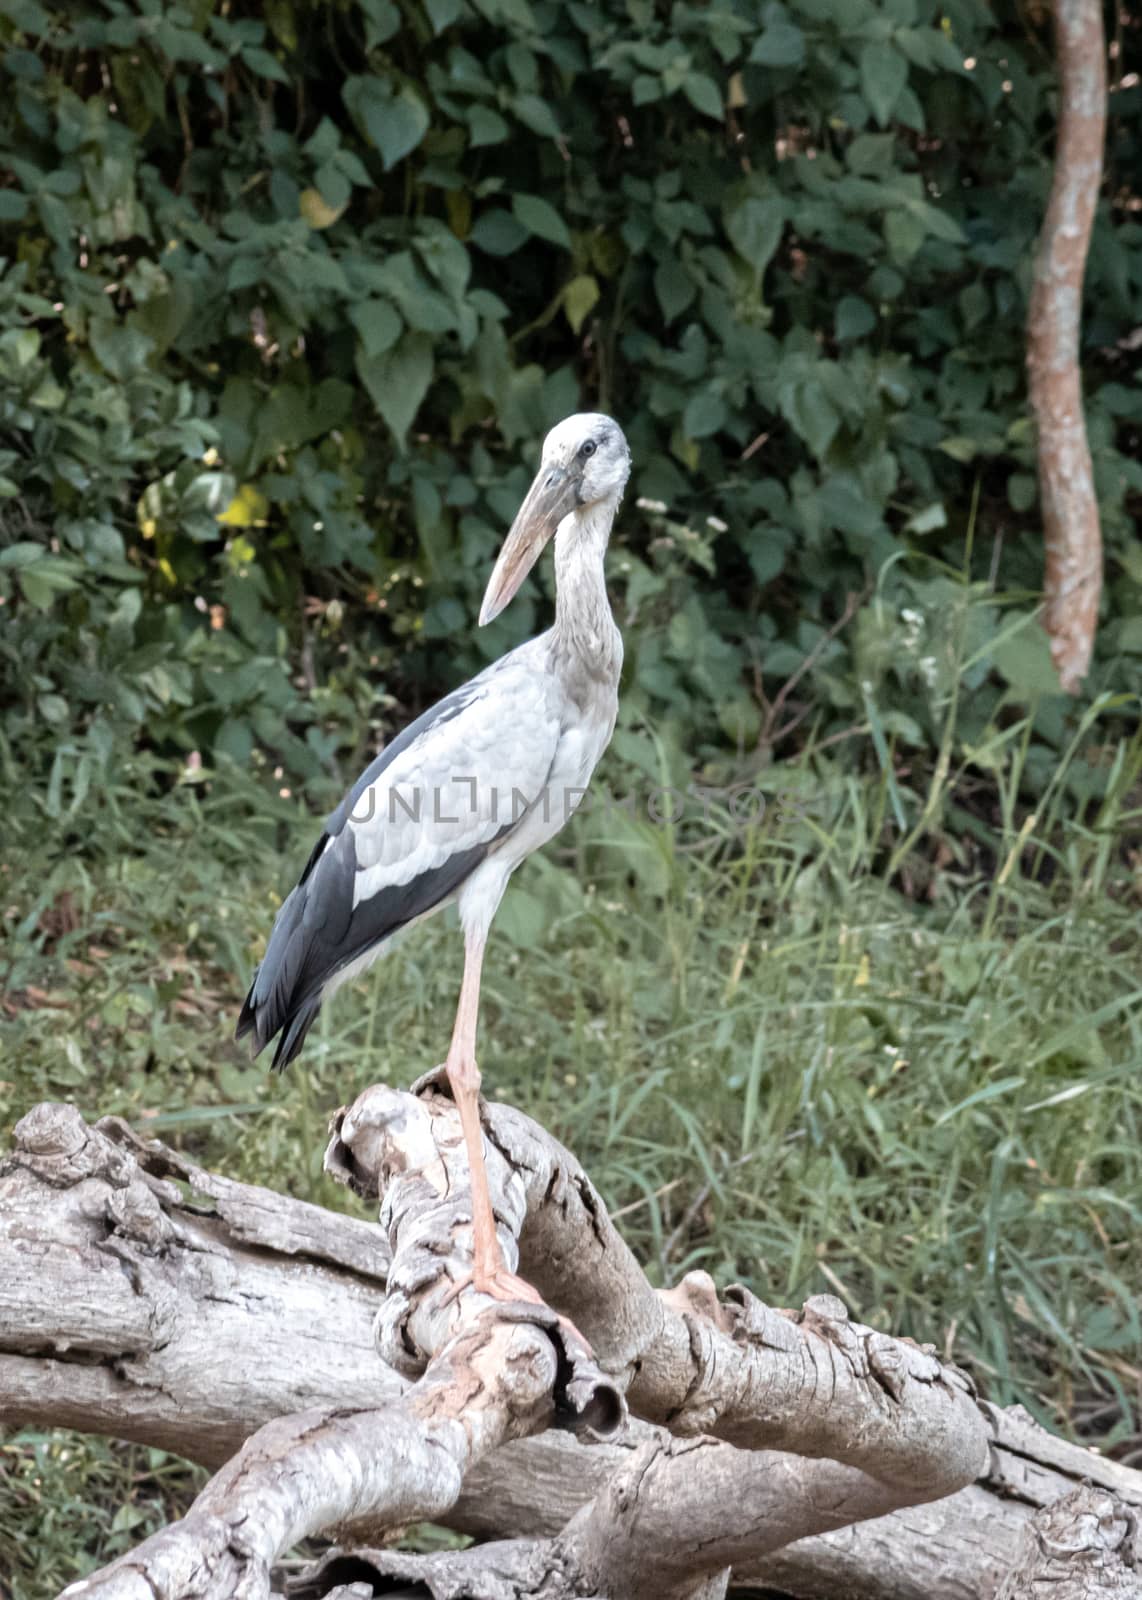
x=585 y=464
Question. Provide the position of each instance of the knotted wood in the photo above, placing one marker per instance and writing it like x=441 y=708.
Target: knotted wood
x=795 y=1449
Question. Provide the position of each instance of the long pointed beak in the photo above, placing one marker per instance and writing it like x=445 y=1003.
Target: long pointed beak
x=553 y=494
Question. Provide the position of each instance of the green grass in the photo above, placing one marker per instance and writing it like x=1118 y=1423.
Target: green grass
x=783 y=1055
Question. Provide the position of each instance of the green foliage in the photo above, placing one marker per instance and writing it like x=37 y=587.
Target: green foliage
x=71 y=1501
x=292 y=291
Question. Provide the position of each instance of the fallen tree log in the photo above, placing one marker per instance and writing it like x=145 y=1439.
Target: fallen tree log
x=800 y=1452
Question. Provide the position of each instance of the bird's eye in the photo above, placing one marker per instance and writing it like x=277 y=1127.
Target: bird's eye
x=588 y=449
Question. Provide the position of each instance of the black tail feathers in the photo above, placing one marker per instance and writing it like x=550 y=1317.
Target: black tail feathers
x=290 y=1027
x=293 y=1033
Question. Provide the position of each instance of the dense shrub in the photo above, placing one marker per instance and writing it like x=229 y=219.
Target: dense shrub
x=293 y=289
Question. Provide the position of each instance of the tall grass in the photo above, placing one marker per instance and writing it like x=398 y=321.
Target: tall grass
x=788 y=1051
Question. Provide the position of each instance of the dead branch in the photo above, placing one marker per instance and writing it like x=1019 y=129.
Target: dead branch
x=490 y=1373
x=1066 y=486
x=143 y=1297
x=163 y=1258
x=733 y=1369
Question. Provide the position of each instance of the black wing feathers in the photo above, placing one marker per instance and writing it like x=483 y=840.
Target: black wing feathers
x=318 y=930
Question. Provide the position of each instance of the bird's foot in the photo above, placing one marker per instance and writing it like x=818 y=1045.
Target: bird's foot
x=504 y=1285
x=501 y=1284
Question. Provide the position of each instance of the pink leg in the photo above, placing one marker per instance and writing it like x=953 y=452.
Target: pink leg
x=490 y=1271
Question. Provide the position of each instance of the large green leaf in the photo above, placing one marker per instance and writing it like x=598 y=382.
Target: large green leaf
x=487 y=126
x=808 y=408
x=674 y=287
x=1023 y=656
x=121 y=349
x=883 y=74
x=378 y=325
x=704 y=414
x=541 y=219
x=443 y=13
x=755 y=225
x=580 y=298
x=398 y=380
x=780 y=44
x=499 y=233
x=703 y=94
x=853 y=317
x=394 y=119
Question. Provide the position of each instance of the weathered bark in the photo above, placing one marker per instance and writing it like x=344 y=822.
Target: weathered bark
x=1082 y=1547
x=145 y=1263
x=958 y=1548
x=184 y=1321
x=650 y=1529
x=733 y=1369
x=1066 y=486
x=490 y=1373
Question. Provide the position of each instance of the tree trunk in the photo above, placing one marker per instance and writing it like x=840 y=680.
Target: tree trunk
x=142 y=1297
x=1066 y=485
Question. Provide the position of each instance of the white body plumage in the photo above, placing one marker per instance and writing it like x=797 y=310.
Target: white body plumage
x=453 y=805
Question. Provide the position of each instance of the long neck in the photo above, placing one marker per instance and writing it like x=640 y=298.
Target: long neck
x=584 y=624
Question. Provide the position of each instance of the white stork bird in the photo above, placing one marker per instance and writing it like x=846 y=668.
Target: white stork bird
x=451 y=807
